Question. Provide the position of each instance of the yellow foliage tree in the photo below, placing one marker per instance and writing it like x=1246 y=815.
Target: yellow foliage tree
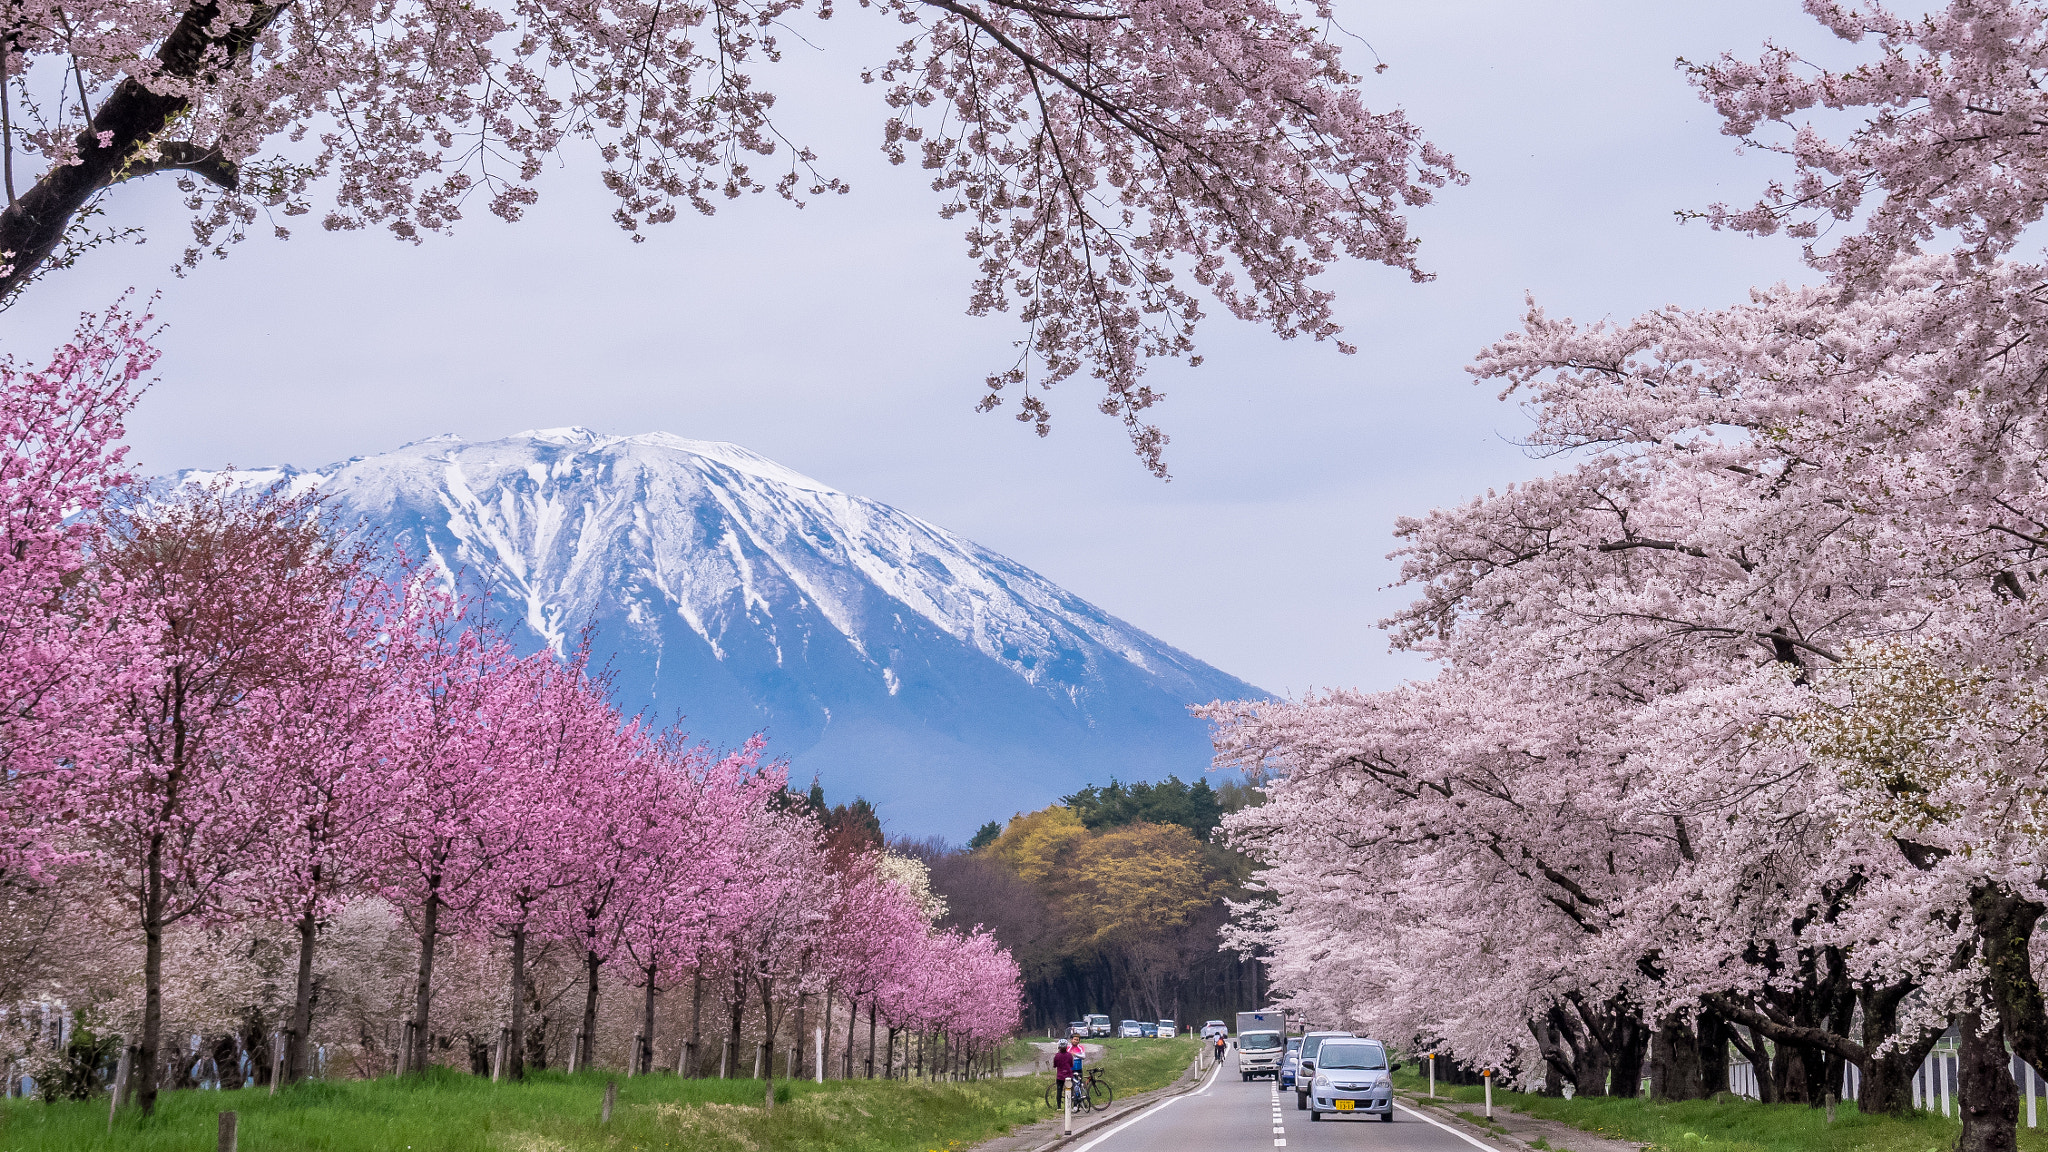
x=1137 y=880
x=1039 y=846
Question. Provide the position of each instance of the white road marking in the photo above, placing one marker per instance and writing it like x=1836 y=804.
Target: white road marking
x=1279 y=1143
x=1149 y=1111
x=1446 y=1127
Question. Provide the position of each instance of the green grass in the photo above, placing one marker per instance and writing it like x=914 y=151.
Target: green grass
x=1142 y=1065
x=445 y=1111
x=1724 y=1124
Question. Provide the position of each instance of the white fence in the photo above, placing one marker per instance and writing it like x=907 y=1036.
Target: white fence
x=1934 y=1085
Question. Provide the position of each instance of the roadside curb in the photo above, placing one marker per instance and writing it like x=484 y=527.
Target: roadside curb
x=1190 y=1079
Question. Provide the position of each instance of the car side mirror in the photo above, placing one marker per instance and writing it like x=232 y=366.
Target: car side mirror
x=1394 y=1067
x=1308 y=1065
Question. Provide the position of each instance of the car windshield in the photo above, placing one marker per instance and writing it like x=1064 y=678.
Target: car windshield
x=1294 y=1045
x=1309 y=1044
x=1338 y=1054
x=1258 y=1041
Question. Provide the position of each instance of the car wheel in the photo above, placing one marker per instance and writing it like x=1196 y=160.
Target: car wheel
x=1387 y=1117
x=1315 y=1116
x=1300 y=1101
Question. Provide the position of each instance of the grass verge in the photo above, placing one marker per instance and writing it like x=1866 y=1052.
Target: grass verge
x=446 y=1111
x=1724 y=1124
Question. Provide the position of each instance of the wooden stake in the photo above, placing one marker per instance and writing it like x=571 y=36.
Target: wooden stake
x=227 y=1133
x=120 y=1083
x=611 y=1097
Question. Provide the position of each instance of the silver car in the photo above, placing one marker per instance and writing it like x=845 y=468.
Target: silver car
x=1352 y=1077
x=1309 y=1044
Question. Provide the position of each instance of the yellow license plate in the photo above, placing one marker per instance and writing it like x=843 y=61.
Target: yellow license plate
x=1345 y=1105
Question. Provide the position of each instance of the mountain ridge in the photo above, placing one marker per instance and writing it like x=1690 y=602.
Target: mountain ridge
x=946 y=682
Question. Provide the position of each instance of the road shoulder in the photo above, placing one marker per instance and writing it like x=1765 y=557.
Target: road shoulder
x=1514 y=1130
x=1044 y=1136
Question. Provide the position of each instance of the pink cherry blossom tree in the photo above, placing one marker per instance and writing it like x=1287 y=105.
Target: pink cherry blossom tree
x=60 y=452
x=220 y=584
x=323 y=731
x=454 y=783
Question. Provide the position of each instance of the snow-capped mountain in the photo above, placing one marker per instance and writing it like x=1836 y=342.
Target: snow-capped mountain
x=890 y=657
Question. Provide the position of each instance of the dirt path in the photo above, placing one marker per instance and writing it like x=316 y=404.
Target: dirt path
x=1041 y=1064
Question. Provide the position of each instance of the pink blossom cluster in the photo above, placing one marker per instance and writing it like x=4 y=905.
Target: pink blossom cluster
x=1737 y=733
x=219 y=707
x=1112 y=162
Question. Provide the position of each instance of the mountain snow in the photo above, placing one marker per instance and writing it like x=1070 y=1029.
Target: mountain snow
x=886 y=655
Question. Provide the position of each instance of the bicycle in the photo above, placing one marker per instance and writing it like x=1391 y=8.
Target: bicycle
x=1090 y=1091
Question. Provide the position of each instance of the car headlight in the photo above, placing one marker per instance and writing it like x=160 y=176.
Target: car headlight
x=1322 y=1081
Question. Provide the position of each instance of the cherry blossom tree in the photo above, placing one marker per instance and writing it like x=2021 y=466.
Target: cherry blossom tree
x=60 y=427
x=692 y=865
x=1110 y=161
x=322 y=731
x=220 y=583
x=454 y=781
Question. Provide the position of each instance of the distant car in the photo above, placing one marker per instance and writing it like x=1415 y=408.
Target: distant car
x=1215 y=1028
x=1168 y=1028
x=1098 y=1024
x=1129 y=1030
x=1078 y=1028
x=1148 y=1030
x=1352 y=1078
x=1290 y=1062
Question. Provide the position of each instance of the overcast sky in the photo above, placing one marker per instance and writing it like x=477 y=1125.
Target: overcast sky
x=835 y=341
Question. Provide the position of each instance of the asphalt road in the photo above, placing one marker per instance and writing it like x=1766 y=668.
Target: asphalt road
x=1228 y=1115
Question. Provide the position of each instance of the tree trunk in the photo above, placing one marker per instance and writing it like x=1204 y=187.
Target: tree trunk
x=515 y=1060
x=152 y=975
x=825 y=1030
x=1758 y=1054
x=1987 y=1098
x=852 y=1019
x=423 y=989
x=644 y=1057
x=2004 y=923
x=1712 y=1031
x=738 y=1005
x=801 y=996
x=1630 y=1040
x=130 y=119
x=586 y=1052
x=1675 y=1061
x=871 y=1039
x=889 y=1056
x=296 y=1041
x=692 y=1054
x=768 y=1044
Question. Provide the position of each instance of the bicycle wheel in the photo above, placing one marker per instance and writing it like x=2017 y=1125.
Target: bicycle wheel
x=1100 y=1096
x=1052 y=1096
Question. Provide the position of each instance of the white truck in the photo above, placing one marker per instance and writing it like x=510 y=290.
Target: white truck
x=1261 y=1040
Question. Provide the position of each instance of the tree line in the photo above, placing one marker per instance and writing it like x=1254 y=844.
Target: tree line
x=1736 y=740
x=229 y=727
x=1111 y=901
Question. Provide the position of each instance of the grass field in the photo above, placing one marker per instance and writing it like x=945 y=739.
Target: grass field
x=446 y=1111
x=1726 y=1124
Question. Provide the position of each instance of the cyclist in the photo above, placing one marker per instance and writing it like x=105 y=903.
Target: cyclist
x=1065 y=1064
